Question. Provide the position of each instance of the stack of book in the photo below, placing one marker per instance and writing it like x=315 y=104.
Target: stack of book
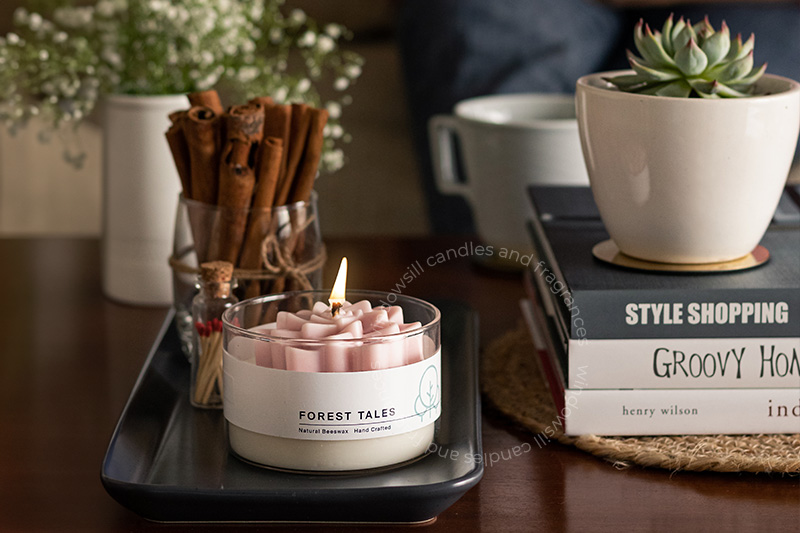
x=631 y=352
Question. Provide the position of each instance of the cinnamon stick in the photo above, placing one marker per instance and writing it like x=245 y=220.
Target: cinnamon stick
x=261 y=213
x=271 y=152
x=302 y=178
x=301 y=119
x=306 y=175
x=237 y=177
x=176 y=138
x=278 y=123
x=202 y=128
x=309 y=163
x=278 y=285
x=208 y=99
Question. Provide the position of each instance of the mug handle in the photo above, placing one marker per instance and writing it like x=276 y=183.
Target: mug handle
x=442 y=130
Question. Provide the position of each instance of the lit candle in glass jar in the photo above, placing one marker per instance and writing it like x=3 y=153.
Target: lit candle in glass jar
x=330 y=387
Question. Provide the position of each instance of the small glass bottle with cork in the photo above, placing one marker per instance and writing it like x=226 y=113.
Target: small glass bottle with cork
x=216 y=285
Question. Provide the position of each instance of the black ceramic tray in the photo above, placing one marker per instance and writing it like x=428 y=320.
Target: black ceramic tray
x=168 y=461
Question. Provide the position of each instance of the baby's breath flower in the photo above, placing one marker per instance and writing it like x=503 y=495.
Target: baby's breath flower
x=303 y=85
x=256 y=10
x=308 y=39
x=333 y=160
x=297 y=17
x=111 y=57
x=20 y=16
x=35 y=21
x=105 y=8
x=247 y=74
x=325 y=44
x=280 y=94
x=336 y=131
x=47 y=28
x=73 y=17
x=334 y=109
x=353 y=71
x=341 y=84
x=334 y=30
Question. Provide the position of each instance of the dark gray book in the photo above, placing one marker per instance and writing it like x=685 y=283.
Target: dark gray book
x=597 y=300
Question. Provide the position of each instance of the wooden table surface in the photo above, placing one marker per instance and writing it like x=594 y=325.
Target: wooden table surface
x=69 y=358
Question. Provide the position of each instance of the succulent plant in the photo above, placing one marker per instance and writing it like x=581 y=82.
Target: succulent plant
x=686 y=60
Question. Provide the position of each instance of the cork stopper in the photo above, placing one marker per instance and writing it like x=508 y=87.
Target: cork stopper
x=216 y=276
x=216 y=271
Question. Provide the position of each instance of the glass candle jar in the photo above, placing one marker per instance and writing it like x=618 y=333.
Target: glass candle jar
x=314 y=388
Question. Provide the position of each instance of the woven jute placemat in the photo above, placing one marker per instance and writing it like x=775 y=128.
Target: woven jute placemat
x=513 y=384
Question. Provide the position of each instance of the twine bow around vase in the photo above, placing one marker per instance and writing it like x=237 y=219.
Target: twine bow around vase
x=283 y=266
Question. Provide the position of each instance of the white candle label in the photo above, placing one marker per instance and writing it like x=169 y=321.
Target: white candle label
x=332 y=405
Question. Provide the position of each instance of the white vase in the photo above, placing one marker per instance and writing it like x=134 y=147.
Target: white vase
x=687 y=180
x=141 y=188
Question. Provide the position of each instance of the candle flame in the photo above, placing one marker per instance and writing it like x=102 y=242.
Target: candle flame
x=338 y=291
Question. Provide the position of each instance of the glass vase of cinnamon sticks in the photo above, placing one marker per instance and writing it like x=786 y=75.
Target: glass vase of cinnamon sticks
x=281 y=250
x=247 y=174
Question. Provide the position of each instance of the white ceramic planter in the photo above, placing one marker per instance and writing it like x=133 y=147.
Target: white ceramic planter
x=140 y=192
x=681 y=180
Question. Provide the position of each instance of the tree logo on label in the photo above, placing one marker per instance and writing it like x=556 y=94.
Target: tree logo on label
x=427 y=401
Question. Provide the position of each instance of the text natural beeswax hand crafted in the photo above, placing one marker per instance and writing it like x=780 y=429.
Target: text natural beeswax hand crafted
x=333 y=386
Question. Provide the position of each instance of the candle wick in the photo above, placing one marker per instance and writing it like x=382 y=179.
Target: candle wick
x=335 y=306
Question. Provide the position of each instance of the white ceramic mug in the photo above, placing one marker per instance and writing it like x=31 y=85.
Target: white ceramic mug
x=506 y=143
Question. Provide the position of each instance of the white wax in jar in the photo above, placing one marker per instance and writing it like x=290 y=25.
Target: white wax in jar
x=329 y=456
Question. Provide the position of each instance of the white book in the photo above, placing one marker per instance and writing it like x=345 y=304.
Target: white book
x=680 y=411
x=684 y=363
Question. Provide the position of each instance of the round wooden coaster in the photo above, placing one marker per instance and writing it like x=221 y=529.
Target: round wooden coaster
x=608 y=252
x=513 y=384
